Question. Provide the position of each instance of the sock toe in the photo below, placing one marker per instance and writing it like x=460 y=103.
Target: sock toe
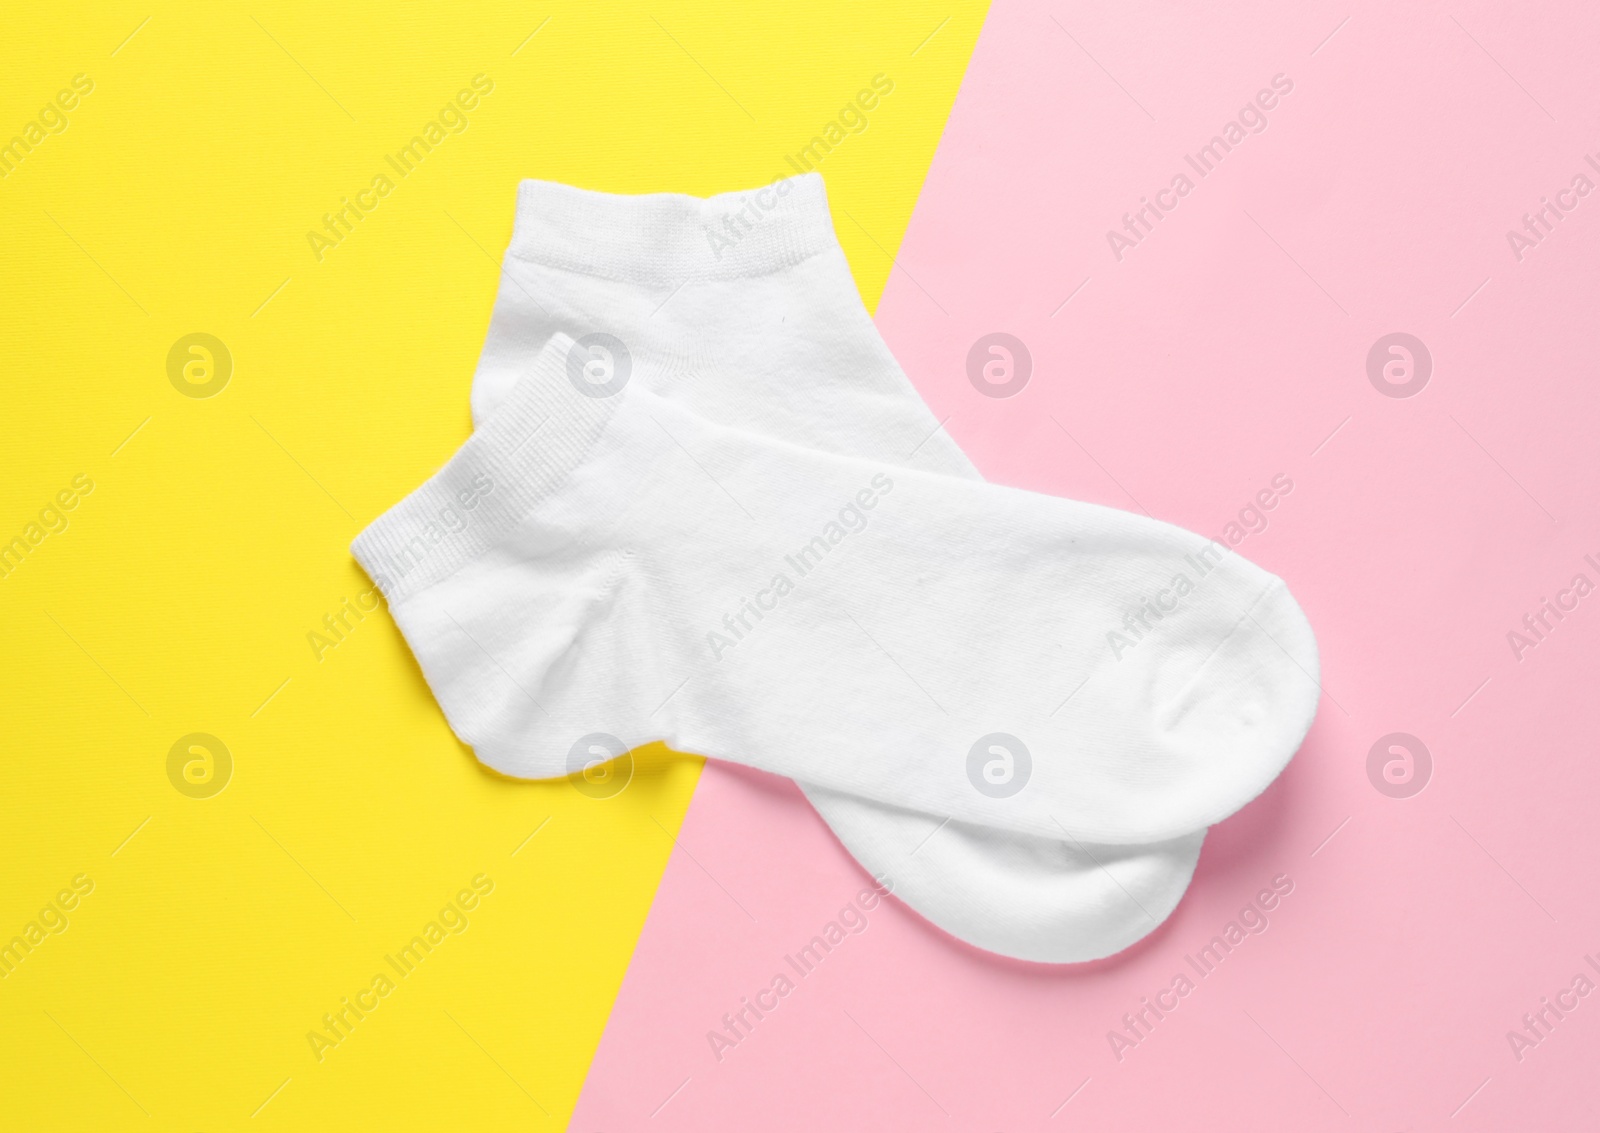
x=1252 y=695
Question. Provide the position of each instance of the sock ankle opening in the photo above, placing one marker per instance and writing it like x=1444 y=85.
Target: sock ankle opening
x=666 y=239
x=546 y=427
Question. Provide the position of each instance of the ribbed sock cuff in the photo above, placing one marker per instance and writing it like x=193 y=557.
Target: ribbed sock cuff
x=546 y=427
x=666 y=239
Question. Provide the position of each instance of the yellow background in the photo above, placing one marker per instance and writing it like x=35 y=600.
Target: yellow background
x=180 y=596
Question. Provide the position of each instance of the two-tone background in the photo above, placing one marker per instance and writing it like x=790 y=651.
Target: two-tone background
x=234 y=819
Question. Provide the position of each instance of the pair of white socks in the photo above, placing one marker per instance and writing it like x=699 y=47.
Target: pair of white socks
x=705 y=506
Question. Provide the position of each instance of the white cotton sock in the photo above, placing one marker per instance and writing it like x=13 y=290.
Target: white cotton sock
x=750 y=303
x=597 y=559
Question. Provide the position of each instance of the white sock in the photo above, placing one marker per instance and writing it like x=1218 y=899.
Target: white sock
x=930 y=642
x=769 y=335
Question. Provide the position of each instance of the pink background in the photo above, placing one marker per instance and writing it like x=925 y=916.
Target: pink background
x=1223 y=350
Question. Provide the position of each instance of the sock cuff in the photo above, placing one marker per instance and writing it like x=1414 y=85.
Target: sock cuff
x=666 y=239
x=545 y=427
